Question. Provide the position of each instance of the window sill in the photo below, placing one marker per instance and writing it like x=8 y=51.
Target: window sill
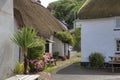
x=117 y=29
x=117 y=52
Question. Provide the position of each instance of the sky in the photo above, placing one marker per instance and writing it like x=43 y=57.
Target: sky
x=46 y=2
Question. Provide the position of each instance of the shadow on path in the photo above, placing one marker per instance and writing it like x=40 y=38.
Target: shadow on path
x=76 y=70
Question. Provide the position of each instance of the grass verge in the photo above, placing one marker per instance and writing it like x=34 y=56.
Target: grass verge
x=73 y=60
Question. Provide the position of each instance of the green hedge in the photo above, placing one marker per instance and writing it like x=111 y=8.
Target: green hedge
x=65 y=37
x=37 y=52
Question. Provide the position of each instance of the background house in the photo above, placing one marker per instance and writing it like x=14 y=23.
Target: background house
x=8 y=51
x=100 y=28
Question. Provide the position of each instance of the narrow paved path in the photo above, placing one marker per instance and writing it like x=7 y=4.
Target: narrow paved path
x=66 y=71
x=73 y=72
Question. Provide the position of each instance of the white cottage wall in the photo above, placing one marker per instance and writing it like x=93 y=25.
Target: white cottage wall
x=58 y=46
x=98 y=35
x=18 y=50
x=8 y=51
x=66 y=49
x=50 y=45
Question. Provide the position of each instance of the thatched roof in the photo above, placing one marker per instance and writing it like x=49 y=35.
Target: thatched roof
x=99 y=9
x=28 y=13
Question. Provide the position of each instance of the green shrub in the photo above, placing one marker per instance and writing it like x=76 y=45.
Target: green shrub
x=19 y=68
x=77 y=39
x=55 y=55
x=65 y=37
x=37 y=52
x=96 y=60
x=78 y=54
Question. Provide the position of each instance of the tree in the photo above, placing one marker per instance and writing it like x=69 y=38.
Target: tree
x=77 y=39
x=66 y=10
x=25 y=38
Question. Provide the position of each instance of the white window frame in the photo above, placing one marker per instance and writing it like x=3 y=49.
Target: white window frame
x=118 y=45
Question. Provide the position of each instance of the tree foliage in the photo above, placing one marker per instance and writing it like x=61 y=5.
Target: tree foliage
x=26 y=38
x=37 y=52
x=77 y=39
x=66 y=10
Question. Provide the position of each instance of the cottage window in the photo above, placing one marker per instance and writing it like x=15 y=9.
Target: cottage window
x=118 y=45
x=117 y=23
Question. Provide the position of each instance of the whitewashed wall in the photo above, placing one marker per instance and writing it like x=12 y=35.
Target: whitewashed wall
x=58 y=46
x=98 y=35
x=51 y=42
x=8 y=51
x=66 y=49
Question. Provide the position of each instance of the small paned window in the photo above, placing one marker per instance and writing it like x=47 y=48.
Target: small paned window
x=117 y=23
x=118 y=45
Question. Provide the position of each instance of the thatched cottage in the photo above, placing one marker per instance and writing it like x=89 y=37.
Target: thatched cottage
x=100 y=28
x=20 y=13
x=29 y=13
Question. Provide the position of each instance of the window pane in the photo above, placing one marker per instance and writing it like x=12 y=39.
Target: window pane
x=118 y=45
x=118 y=23
x=117 y=49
